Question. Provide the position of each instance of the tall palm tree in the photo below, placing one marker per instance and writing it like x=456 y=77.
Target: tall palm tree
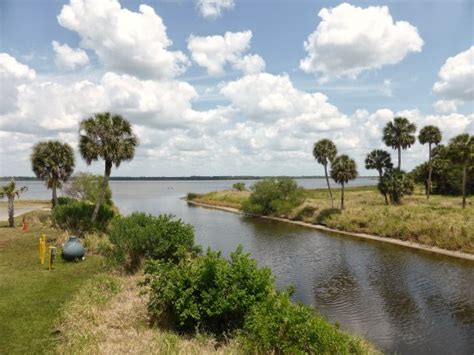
x=110 y=137
x=324 y=152
x=461 y=151
x=343 y=169
x=381 y=161
x=53 y=162
x=10 y=192
x=430 y=135
x=399 y=134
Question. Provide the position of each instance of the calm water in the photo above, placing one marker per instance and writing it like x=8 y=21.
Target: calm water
x=405 y=301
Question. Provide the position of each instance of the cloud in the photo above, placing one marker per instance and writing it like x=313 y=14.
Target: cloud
x=446 y=106
x=456 y=81
x=213 y=8
x=12 y=75
x=351 y=39
x=69 y=58
x=215 y=52
x=131 y=42
x=268 y=98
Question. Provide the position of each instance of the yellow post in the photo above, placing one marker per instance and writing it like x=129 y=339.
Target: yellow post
x=42 y=248
x=52 y=256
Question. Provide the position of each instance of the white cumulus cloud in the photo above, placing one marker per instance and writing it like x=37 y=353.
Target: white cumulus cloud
x=12 y=75
x=456 y=82
x=351 y=39
x=215 y=52
x=69 y=58
x=131 y=42
x=213 y=8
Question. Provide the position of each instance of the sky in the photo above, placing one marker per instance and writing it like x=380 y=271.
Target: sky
x=233 y=87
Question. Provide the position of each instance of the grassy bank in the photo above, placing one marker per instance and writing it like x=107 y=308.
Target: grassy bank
x=438 y=222
x=31 y=296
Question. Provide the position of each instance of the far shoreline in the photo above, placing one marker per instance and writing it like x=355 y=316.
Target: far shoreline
x=393 y=241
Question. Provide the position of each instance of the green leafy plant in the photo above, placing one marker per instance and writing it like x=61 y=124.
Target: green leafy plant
x=277 y=325
x=381 y=161
x=396 y=183
x=208 y=293
x=461 y=153
x=399 y=134
x=343 y=169
x=272 y=195
x=140 y=236
x=74 y=217
x=430 y=135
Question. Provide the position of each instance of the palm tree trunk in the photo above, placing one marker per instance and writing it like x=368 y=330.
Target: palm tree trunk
x=464 y=175
x=342 y=196
x=384 y=194
x=329 y=186
x=11 y=211
x=428 y=190
x=55 y=195
x=105 y=183
x=399 y=158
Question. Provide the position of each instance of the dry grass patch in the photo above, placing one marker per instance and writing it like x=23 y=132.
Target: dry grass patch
x=109 y=316
x=227 y=198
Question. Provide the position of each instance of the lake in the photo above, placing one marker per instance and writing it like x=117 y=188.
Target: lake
x=403 y=300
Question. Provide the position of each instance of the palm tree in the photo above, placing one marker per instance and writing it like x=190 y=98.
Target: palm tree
x=399 y=135
x=343 y=169
x=381 y=161
x=110 y=137
x=53 y=162
x=461 y=151
x=324 y=152
x=10 y=191
x=430 y=135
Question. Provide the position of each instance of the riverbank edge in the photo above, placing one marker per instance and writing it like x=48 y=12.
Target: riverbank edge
x=403 y=243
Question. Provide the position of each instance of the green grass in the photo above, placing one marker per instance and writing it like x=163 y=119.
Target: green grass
x=31 y=296
x=439 y=221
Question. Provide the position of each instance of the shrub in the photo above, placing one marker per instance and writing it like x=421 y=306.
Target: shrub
x=239 y=186
x=277 y=325
x=207 y=293
x=63 y=200
x=87 y=187
x=140 y=235
x=272 y=195
x=75 y=217
x=396 y=183
x=191 y=196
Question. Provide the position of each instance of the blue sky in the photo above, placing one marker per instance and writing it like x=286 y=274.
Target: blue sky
x=402 y=82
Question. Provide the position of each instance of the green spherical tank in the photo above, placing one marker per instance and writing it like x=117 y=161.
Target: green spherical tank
x=73 y=249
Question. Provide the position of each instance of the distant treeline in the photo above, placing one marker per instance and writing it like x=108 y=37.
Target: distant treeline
x=178 y=178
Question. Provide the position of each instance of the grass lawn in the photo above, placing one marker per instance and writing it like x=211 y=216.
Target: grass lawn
x=439 y=221
x=31 y=297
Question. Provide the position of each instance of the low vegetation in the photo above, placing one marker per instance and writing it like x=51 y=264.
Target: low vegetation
x=141 y=236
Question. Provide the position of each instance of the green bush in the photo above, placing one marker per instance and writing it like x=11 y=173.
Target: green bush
x=64 y=200
x=239 y=186
x=207 y=293
x=75 y=217
x=140 y=235
x=396 y=184
x=191 y=196
x=277 y=325
x=273 y=196
x=325 y=214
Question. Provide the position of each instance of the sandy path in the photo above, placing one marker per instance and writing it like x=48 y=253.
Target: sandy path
x=20 y=210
